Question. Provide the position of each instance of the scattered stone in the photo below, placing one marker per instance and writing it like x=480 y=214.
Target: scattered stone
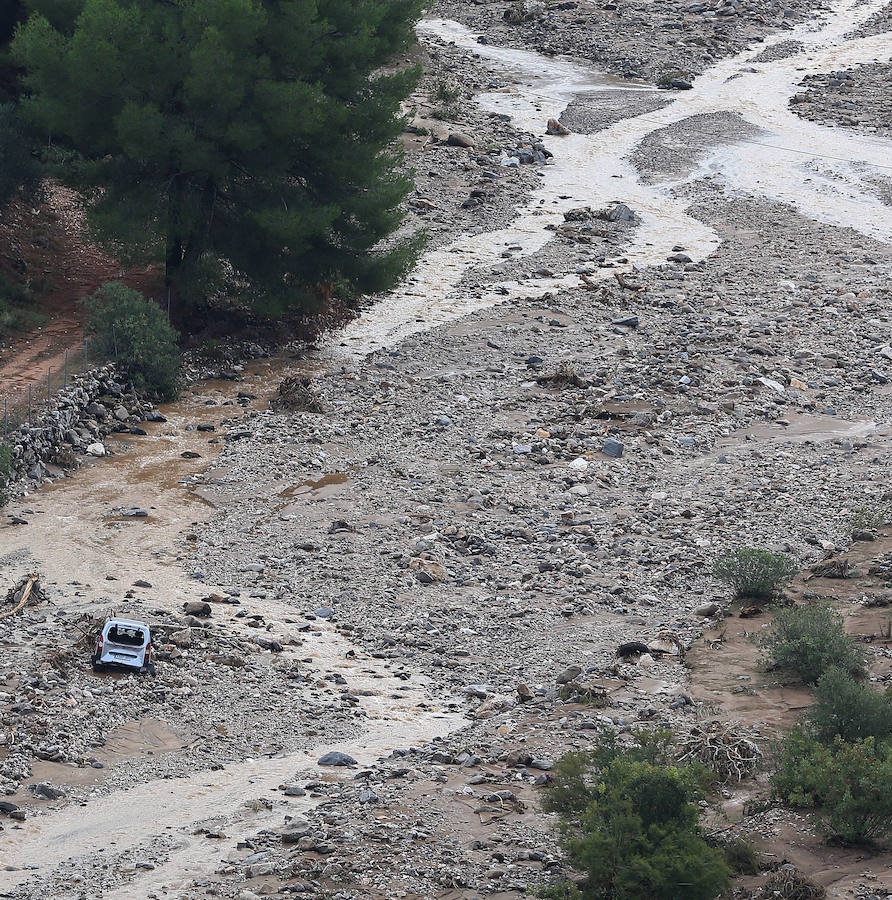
x=336 y=758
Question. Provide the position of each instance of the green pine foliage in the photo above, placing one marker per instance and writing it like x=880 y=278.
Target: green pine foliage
x=245 y=139
x=19 y=167
x=136 y=333
x=630 y=823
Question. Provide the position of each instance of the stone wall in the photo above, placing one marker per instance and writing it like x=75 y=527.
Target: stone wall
x=77 y=421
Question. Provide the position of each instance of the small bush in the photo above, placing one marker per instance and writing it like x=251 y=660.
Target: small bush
x=566 y=890
x=134 y=331
x=631 y=825
x=807 y=640
x=741 y=856
x=446 y=91
x=448 y=113
x=17 y=306
x=870 y=517
x=755 y=574
x=849 y=785
x=849 y=709
x=5 y=470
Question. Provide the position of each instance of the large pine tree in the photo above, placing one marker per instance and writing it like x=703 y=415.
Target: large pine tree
x=18 y=165
x=252 y=137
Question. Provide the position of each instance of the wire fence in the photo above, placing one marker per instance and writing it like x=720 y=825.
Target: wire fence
x=26 y=403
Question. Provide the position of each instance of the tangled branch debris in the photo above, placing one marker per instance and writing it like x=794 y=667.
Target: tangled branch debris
x=788 y=883
x=833 y=568
x=724 y=748
x=564 y=376
x=297 y=395
x=27 y=591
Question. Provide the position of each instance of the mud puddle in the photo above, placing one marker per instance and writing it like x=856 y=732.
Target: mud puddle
x=315 y=488
x=131 y=740
x=803 y=429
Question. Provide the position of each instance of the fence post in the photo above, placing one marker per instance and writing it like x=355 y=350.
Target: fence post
x=29 y=402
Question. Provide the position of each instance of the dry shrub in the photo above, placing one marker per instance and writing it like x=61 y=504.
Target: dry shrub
x=297 y=395
x=788 y=883
x=565 y=376
x=724 y=748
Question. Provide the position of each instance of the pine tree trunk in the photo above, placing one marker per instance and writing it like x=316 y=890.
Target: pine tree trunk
x=173 y=257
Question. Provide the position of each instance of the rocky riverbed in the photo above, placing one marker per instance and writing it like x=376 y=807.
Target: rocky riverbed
x=631 y=38
x=427 y=554
x=855 y=98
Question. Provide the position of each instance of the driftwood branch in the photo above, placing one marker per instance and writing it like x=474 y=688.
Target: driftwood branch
x=30 y=581
x=724 y=748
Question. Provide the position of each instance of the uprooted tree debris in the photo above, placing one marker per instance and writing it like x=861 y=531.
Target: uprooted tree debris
x=27 y=592
x=724 y=748
x=297 y=395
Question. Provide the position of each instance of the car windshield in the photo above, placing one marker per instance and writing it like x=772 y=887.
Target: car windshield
x=125 y=634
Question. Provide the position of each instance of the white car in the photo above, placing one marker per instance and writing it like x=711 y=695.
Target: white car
x=125 y=643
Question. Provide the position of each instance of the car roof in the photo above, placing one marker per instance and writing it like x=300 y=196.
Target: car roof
x=129 y=622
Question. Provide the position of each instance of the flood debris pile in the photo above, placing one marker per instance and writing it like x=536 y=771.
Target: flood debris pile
x=27 y=592
x=296 y=394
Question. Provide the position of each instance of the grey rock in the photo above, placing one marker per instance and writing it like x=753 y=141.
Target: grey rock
x=336 y=758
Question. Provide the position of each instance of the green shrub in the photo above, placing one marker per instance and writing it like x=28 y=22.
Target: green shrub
x=849 y=785
x=448 y=113
x=631 y=824
x=566 y=890
x=17 y=306
x=5 y=470
x=849 y=709
x=576 y=775
x=755 y=574
x=135 y=332
x=741 y=856
x=447 y=91
x=807 y=640
x=870 y=517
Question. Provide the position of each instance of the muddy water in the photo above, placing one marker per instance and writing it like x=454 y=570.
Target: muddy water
x=75 y=530
x=77 y=534
x=825 y=172
x=118 y=822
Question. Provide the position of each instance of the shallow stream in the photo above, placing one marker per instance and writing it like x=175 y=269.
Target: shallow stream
x=822 y=171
